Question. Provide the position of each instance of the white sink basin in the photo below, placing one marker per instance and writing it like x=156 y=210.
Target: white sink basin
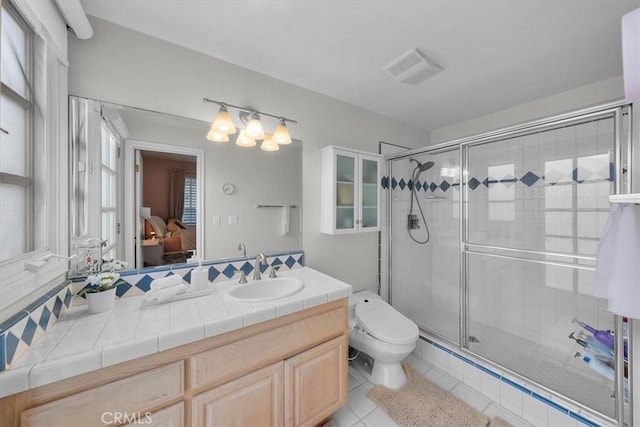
x=267 y=289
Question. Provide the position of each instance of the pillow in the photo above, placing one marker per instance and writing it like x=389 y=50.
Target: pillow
x=178 y=223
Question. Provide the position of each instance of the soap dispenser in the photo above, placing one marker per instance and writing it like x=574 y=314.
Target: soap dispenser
x=199 y=278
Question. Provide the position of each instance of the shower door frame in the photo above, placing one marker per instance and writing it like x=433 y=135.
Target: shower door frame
x=624 y=152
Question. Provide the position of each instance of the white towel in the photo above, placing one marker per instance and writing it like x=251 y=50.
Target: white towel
x=284 y=228
x=164 y=294
x=166 y=282
x=618 y=261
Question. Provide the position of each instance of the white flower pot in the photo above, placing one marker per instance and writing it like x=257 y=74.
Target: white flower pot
x=101 y=301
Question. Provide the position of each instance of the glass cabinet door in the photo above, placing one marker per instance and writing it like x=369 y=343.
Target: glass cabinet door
x=369 y=192
x=345 y=192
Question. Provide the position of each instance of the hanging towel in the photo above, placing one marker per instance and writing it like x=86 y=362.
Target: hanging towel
x=165 y=294
x=284 y=227
x=618 y=261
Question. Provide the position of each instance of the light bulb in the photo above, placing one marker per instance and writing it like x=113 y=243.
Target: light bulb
x=245 y=140
x=223 y=122
x=254 y=128
x=281 y=134
x=217 y=136
x=269 y=144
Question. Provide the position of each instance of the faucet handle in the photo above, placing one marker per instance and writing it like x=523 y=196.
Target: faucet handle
x=272 y=273
x=243 y=277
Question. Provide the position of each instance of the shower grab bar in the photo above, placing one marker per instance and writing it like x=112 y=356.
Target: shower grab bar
x=259 y=206
x=530 y=252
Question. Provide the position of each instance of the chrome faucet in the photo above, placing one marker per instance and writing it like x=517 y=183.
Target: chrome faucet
x=260 y=260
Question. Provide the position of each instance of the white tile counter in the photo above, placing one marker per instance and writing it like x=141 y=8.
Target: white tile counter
x=81 y=342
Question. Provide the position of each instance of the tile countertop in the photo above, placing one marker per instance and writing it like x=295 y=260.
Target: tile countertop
x=81 y=342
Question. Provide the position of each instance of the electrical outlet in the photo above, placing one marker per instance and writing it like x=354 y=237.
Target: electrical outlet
x=233 y=220
x=216 y=220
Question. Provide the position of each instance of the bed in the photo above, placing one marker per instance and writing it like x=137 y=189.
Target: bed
x=177 y=237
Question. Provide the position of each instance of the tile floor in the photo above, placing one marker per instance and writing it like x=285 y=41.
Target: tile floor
x=362 y=412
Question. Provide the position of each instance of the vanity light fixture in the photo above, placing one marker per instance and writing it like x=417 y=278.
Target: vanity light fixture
x=269 y=144
x=223 y=126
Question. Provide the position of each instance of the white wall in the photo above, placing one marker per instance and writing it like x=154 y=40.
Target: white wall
x=582 y=97
x=125 y=67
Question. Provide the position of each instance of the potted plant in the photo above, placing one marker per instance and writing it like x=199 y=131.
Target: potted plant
x=101 y=289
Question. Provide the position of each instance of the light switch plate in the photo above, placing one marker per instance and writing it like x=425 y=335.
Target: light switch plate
x=216 y=220
x=233 y=220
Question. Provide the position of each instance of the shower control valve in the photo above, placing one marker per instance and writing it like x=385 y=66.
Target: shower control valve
x=413 y=222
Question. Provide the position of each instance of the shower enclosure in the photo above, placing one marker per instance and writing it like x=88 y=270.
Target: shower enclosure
x=514 y=219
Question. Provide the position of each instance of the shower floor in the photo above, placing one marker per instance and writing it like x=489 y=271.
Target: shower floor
x=562 y=373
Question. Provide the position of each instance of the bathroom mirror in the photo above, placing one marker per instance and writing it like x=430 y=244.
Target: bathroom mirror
x=130 y=167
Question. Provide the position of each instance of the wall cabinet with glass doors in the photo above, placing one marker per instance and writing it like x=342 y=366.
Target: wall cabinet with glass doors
x=350 y=191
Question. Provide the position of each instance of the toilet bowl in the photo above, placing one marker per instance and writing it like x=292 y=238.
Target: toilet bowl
x=383 y=333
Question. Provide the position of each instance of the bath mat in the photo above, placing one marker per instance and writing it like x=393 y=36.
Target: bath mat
x=421 y=403
x=330 y=423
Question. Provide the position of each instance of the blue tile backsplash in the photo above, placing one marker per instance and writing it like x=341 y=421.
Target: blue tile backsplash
x=21 y=331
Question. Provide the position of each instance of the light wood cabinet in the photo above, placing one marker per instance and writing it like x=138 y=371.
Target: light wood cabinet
x=252 y=400
x=350 y=191
x=316 y=383
x=289 y=371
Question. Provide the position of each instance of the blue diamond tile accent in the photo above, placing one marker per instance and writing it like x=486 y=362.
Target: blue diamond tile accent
x=247 y=267
x=122 y=289
x=394 y=183
x=67 y=298
x=213 y=273
x=402 y=184
x=3 y=362
x=418 y=186
x=574 y=176
x=486 y=182
x=11 y=343
x=301 y=260
x=290 y=262
x=276 y=262
x=187 y=277
x=144 y=284
x=57 y=307
x=229 y=271
x=384 y=182
x=529 y=179
x=612 y=171
x=29 y=331
x=410 y=185
x=433 y=186
x=445 y=186
x=508 y=180
x=474 y=183
x=44 y=318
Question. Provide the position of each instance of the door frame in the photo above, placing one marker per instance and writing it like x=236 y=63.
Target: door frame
x=131 y=214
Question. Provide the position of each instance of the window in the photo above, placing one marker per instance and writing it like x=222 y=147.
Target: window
x=109 y=179
x=190 y=201
x=16 y=144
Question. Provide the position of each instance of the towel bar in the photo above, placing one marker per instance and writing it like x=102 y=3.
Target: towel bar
x=625 y=198
x=258 y=206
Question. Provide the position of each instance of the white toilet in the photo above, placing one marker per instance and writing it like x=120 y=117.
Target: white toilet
x=383 y=333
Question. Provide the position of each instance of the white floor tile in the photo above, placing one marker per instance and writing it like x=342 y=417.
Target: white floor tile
x=378 y=418
x=471 y=397
x=359 y=424
x=440 y=378
x=359 y=402
x=345 y=417
x=418 y=364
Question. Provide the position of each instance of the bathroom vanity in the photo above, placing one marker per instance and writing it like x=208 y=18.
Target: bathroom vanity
x=290 y=370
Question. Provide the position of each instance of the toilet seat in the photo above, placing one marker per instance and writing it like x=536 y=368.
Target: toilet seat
x=385 y=323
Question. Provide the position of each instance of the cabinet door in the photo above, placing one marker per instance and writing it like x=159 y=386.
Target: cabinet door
x=173 y=416
x=369 y=213
x=346 y=191
x=252 y=400
x=316 y=383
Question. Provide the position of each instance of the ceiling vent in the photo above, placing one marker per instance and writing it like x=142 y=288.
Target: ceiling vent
x=413 y=67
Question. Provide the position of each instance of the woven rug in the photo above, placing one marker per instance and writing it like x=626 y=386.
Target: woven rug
x=421 y=403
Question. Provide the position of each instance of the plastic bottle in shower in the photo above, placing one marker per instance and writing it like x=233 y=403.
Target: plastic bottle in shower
x=599 y=366
x=603 y=336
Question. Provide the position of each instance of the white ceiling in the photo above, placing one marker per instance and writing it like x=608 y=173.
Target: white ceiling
x=496 y=54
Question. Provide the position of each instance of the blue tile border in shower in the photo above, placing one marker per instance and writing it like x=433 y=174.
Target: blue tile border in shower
x=576 y=416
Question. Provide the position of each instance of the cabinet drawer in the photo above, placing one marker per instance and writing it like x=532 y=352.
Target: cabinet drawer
x=97 y=407
x=230 y=361
x=173 y=416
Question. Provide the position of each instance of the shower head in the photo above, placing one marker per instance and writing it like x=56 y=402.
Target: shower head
x=421 y=167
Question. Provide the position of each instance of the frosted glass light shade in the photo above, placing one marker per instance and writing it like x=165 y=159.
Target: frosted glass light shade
x=217 y=136
x=254 y=128
x=223 y=122
x=245 y=140
x=631 y=55
x=269 y=144
x=281 y=134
